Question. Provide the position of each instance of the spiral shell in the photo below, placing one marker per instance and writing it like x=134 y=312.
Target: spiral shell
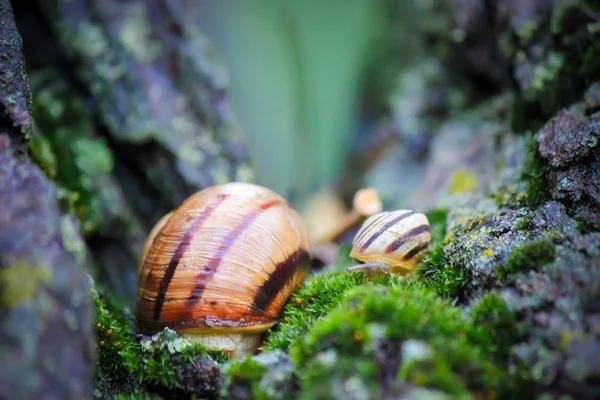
x=227 y=259
x=399 y=239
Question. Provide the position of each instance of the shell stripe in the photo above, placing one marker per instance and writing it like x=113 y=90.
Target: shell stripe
x=283 y=273
x=414 y=251
x=405 y=238
x=384 y=228
x=213 y=264
x=180 y=251
x=361 y=235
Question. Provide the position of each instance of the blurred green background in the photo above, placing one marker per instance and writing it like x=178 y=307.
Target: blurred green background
x=299 y=72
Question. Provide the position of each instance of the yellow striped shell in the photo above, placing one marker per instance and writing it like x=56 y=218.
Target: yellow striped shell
x=397 y=239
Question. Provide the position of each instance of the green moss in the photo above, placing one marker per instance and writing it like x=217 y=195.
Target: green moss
x=444 y=278
x=127 y=365
x=437 y=224
x=546 y=71
x=247 y=371
x=113 y=336
x=533 y=173
x=531 y=255
x=312 y=301
x=491 y=318
x=269 y=375
x=434 y=271
x=163 y=359
x=358 y=342
x=138 y=395
x=66 y=146
x=462 y=181
x=40 y=151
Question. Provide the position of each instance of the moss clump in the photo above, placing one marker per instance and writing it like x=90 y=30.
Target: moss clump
x=491 y=318
x=130 y=366
x=137 y=395
x=434 y=270
x=112 y=334
x=248 y=372
x=173 y=362
x=66 y=146
x=532 y=255
x=534 y=173
x=269 y=375
x=443 y=277
x=314 y=300
x=382 y=338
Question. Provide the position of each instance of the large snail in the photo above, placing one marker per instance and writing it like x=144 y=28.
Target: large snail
x=391 y=241
x=220 y=268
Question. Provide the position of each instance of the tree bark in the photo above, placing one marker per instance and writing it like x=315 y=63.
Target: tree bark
x=46 y=317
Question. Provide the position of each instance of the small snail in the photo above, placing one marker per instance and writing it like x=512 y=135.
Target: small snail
x=220 y=268
x=391 y=241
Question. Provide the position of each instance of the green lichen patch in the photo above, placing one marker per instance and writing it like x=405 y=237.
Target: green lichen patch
x=531 y=255
x=15 y=289
x=312 y=301
x=462 y=181
x=382 y=339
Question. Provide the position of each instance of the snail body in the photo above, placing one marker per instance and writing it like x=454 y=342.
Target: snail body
x=391 y=241
x=220 y=268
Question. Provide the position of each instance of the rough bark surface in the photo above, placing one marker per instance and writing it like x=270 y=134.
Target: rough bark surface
x=46 y=318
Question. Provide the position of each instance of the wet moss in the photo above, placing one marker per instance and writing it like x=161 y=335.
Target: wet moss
x=534 y=174
x=173 y=362
x=532 y=255
x=269 y=375
x=442 y=276
x=131 y=365
x=381 y=338
x=313 y=301
x=435 y=272
x=246 y=372
x=491 y=317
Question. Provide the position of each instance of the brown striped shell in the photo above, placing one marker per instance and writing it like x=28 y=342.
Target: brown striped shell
x=227 y=260
x=398 y=238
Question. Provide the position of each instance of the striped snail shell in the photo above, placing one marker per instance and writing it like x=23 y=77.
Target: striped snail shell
x=391 y=241
x=220 y=268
